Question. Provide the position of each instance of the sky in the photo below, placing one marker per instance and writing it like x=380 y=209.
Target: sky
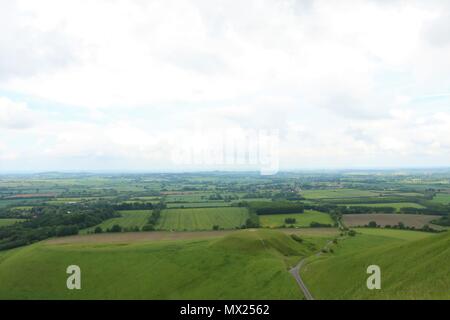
x=128 y=85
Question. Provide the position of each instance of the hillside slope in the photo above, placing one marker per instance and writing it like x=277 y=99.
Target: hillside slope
x=248 y=264
x=416 y=269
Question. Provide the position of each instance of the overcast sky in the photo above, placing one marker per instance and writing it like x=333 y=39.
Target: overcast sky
x=118 y=85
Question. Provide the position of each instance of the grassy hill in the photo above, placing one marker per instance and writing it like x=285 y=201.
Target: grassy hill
x=247 y=264
x=414 y=266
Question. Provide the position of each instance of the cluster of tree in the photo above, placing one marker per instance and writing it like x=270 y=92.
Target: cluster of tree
x=117 y=228
x=364 y=209
x=340 y=210
x=290 y=220
x=154 y=217
x=381 y=198
x=319 y=225
x=437 y=210
x=226 y=198
x=53 y=222
x=133 y=206
x=274 y=207
x=15 y=213
x=72 y=193
x=443 y=221
x=400 y=226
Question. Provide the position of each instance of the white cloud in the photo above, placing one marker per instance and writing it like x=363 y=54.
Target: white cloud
x=344 y=81
x=15 y=115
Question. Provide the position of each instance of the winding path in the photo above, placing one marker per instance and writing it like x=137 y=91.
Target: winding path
x=295 y=271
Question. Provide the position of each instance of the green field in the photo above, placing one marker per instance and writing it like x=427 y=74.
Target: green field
x=198 y=205
x=414 y=265
x=338 y=193
x=302 y=219
x=194 y=197
x=128 y=219
x=202 y=218
x=395 y=234
x=249 y=264
x=397 y=205
x=8 y=222
x=443 y=198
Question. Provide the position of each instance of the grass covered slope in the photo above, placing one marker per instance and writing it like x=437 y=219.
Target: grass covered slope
x=248 y=264
x=410 y=269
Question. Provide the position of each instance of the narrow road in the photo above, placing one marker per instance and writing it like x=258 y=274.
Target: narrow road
x=295 y=271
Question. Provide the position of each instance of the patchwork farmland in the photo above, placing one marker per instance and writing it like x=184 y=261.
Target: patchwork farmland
x=197 y=232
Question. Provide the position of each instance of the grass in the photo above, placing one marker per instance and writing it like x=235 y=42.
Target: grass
x=198 y=204
x=395 y=234
x=128 y=219
x=302 y=219
x=414 y=265
x=397 y=205
x=443 y=198
x=202 y=218
x=247 y=264
x=8 y=222
x=192 y=197
x=337 y=193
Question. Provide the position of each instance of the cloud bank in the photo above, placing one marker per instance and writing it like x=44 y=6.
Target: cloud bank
x=118 y=85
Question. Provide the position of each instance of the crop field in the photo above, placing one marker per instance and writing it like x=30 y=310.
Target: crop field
x=8 y=222
x=301 y=219
x=338 y=193
x=128 y=219
x=202 y=218
x=410 y=220
x=198 y=205
x=180 y=269
x=342 y=275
